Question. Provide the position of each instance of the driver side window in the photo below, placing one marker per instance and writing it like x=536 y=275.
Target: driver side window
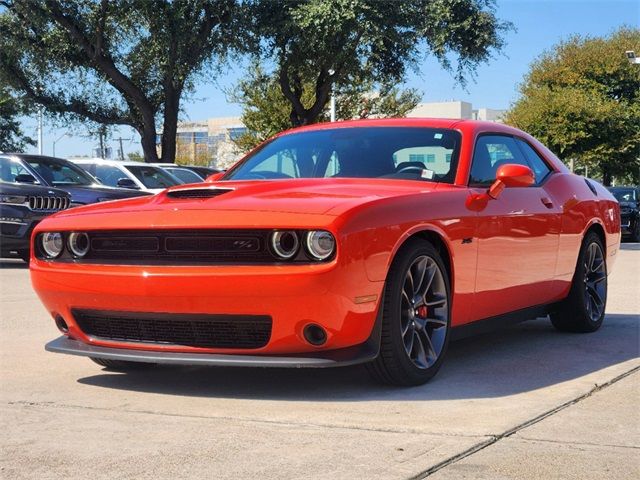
x=490 y=153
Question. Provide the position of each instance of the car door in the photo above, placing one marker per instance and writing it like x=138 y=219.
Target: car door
x=517 y=233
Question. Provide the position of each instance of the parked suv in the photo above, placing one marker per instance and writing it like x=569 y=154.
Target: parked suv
x=22 y=206
x=60 y=173
x=629 y=200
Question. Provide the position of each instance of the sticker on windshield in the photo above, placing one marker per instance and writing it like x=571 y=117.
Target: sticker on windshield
x=426 y=174
x=437 y=136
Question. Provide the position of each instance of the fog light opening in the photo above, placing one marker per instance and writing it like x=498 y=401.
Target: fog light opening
x=61 y=324
x=315 y=334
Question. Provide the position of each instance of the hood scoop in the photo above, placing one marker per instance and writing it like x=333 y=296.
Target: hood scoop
x=198 y=192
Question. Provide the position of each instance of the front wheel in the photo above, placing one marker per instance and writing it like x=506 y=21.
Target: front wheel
x=416 y=320
x=583 y=310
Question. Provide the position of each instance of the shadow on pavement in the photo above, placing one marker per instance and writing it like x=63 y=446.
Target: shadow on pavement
x=514 y=360
x=630 y=246
x=13 y=263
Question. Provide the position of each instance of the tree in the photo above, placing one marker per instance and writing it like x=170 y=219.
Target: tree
x=582 y=99
x=336 y=42
x=266 y=111
x=12 y=139
x=114 y=62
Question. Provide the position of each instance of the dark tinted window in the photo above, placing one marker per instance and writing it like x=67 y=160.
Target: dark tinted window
x=364 y=152
x=187 y=176
x=490 y=153
x=153 y=177
x=536 y=163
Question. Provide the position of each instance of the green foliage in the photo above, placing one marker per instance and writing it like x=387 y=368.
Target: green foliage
x=320 y=44
x=582 y=99
x=12 y=139
x=266 y=111
x=135 y=157
x=113 y=62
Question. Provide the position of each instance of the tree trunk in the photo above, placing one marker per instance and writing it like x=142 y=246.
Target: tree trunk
x=170 y=127
x=606 y=177
x=148 y=142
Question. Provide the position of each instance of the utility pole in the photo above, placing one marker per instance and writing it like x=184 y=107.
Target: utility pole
x=333 y=99
x=40 y=142
x=101 y=136
x=119 y=140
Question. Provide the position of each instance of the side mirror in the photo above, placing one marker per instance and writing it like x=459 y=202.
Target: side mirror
x=511 y=175
x=215 y=176
x=127 y=183
x=25 y=178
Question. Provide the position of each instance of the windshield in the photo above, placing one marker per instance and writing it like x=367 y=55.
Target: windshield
x=56 y=172
x=628 y=195
x=10 y=169
x=187 y=176
x=153 y=177
x=362 y=152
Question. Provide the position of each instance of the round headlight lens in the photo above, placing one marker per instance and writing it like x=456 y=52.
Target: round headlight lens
x=79 y=244
x=52 y=244
x=321 y=244
x=285 y=243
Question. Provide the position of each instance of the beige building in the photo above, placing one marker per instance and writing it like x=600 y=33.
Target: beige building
x=211 y=142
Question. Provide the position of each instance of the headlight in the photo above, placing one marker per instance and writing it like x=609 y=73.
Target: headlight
x=320 y=244
x=13 y=199
x=79 y=244
x=285 y=243
x=52 y=244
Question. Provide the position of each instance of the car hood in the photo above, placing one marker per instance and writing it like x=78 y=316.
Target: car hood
x=91 y=193
x=247 y=204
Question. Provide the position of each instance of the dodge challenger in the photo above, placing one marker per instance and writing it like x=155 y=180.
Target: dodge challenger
x=374 y=242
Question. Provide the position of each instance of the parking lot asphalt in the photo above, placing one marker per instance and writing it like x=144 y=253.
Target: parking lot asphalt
x=521 y=402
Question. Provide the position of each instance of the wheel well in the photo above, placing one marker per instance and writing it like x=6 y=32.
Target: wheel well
x=598 y=230
x=438 y=242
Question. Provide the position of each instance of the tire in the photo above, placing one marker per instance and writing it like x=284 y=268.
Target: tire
x=25 y=255
x=120 y=365
x=583 y=310
x=414 y=335
x=635 y=235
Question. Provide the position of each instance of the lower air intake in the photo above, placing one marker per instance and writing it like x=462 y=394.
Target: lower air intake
x=190 y=330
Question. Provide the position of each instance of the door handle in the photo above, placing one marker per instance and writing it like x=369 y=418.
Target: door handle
x=547 y=202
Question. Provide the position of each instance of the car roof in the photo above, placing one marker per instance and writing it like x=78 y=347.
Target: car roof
x=444 y=123
x=124 y=163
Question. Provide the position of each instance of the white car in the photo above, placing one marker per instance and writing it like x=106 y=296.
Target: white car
x=135 y=175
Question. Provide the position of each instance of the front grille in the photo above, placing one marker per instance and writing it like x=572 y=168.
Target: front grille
x=49 y=204
x=190 y=330
x=198 y=192
x=180 y=247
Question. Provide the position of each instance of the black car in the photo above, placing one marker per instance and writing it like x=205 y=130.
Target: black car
x=629 y=200
x=22 y=206
x=60 y=173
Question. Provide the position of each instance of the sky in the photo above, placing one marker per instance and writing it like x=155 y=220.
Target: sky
x=539 y=24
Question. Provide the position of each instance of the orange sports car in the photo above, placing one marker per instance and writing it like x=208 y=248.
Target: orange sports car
x=373 y=241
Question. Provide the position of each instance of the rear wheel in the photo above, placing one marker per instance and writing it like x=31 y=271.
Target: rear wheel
x=583 y=310
x=120 y=365
x=415 y=323
x=635 y=234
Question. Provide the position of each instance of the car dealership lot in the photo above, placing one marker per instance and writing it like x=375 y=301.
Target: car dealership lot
x=524 y=402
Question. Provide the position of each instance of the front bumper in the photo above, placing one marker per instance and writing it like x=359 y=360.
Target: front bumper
x=329 y=295
x=332 y=358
